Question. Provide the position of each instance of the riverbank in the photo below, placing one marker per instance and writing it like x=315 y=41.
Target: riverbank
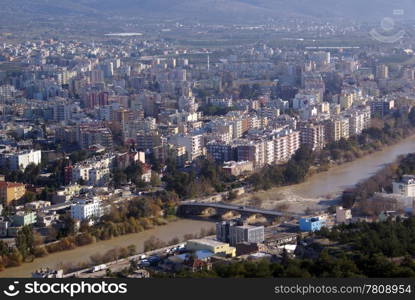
x=321 y=190
x=179 y=229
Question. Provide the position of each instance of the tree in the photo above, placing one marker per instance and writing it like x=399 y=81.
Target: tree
x=25 y=241
x=232 y=195
x=4 y=249
x=155 y=179
x=411 y=116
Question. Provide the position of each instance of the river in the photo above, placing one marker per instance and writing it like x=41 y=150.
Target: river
x=340 y=177
x=81 y=254
x=320 y=189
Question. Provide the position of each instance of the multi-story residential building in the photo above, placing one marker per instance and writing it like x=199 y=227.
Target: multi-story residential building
x=269 y=151
x=164 y=151
x=61 y=112
x=192 y=142
x=346 y=100
x=95 y=99
x=381 y=107
x=80 y=173
x=359 y=120
x=95 y=171
x=11 y=191
x=286 y=143
x=222 y=102
x=236 y=128
x=123 y=160
x=148 y=140
x=20 y=160
x=68 y=135
x=382 y=72
x=98 y=176
x=336 y=129
x=86 y=209
x=313 y=81
x=222 y=126
x=251 y=150
x=312 y=135
x=89 y=136
x=220 y=151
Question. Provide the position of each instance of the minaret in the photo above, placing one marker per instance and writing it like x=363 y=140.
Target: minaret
x=208 y=62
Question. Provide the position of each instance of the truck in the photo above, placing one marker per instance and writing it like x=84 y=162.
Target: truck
x=99 y=268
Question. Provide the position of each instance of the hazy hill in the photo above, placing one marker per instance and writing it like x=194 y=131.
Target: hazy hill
x=207 y=9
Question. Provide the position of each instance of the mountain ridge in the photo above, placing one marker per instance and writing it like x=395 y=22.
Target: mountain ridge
x=252 y=10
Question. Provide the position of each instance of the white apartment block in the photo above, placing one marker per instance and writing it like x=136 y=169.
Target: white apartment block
x=93 y=172
x=269 y=153
x=80 y=172
x=21 y=160
x=285 y=145
x=359 y=120
x=337 y=129
x=98 y=176
x=192 y=143
x=222 y=126
x=86 y=209
x=236 y=129
x=253 y=122
x=356 y=124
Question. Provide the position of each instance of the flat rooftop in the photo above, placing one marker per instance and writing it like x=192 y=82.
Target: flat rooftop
x=210 y=242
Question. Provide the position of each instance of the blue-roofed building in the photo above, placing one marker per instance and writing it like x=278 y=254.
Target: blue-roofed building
x=311 y=224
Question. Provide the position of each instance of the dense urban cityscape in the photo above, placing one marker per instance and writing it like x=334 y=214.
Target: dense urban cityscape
x=173 y=148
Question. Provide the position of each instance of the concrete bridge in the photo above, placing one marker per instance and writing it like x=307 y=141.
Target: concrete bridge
x=197 y=208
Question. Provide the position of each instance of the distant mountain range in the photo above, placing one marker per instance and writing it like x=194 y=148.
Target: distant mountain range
x=208 y=10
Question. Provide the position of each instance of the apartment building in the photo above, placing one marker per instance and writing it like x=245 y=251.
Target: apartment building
x=86 y=209
x=89 y=136
x=11 y=191
x=192 y=142
x=381 y=107
x=220 y=151
x=286 y=143
x=312 y=135
x=336 y=129
x=251 y=150
x=20 y=160
x=147 y=140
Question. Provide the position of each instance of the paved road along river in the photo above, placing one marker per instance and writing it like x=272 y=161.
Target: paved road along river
x=81 y=254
